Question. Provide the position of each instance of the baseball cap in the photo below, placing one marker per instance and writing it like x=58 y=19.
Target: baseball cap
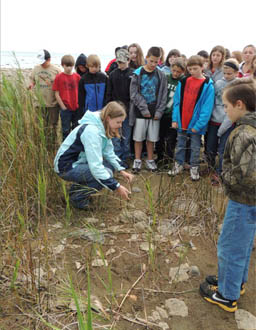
x=122 y=55
x=42 y=56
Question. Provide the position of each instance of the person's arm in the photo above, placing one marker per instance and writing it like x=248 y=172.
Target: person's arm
x=81 y=95
x=137 y=99
x=109 y=93
x=163 y=98
x=176 y=107
x=59 y=100
x=206 y=110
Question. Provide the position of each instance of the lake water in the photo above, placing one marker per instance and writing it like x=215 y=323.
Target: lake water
x=26 y=60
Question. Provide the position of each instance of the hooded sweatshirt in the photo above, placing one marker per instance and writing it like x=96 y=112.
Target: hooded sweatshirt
x=81 y=60
x=88 y=144
x=239 y=165
x=219 y=117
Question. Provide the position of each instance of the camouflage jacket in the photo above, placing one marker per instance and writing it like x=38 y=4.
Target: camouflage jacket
x=239 y=162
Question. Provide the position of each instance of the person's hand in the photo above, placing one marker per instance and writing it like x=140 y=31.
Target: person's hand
x=128 y=176
x=193 y=130
x=174 y=124
x=123 y=192
x=147 y=116
x=156 y=118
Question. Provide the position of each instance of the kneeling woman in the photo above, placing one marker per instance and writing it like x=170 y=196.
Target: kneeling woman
x=86 y=157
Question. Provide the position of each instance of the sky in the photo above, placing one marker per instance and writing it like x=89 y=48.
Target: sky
x=99 y=26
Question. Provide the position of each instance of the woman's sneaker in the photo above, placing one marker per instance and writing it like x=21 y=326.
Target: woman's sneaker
x=151 y=165
x=210 y=293
x=213 y=280
x=194 y=173
x=136 y=166
x=177 y=168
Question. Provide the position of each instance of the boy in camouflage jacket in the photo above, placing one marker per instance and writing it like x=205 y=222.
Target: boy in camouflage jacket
x=235 y=243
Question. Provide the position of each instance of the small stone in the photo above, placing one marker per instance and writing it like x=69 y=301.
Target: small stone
x=78 y=264
x=145 y=246
x=179 y=274
x=156 y=316
x=245 y=320
x=134 y=237
x=141 y=226
x=99 y=263
x=163 y=325
x=194 y=271
x=91 y=220
x=58 y=249
x=162 y=312
x=176 y=307
x=110 y=251
x=136 y=190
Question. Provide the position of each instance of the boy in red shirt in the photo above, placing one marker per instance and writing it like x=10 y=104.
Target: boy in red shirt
x=66 y=92
x=192 y=109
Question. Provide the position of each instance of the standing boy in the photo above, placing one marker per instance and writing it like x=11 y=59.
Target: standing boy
x=235 y=243
x=66 y=92
x=118 y=89
x=167 y=135
x=193 y=105
x=92 y=87
x=148 y=93
x=43 y=76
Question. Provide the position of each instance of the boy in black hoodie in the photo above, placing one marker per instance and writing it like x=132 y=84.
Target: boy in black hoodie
x=118 y=89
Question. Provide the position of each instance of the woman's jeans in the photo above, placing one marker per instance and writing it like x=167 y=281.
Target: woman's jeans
x=85 y=184
x=235 y=247
x=216 y=144
x=195 y=144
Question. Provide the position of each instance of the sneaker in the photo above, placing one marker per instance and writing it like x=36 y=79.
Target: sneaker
x=177 y=168
x=210 y=293
x=213 y=280
x=151 y=165
x=194 y=173
x=215 y=180
x=136 y=166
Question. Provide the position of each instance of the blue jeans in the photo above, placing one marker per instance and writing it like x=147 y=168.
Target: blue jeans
x=216 y=144
x=195 y=144
x=85 y=184
x=235 y=247
x=69 y=120
x=122 y=145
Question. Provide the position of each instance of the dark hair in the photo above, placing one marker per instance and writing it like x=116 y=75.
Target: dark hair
x=68 y=60
x=173 y=52
x=204 y=54
x=243 y=89
x=154 y=51
x=180 y=63
x=195 y=60
x=227 y=55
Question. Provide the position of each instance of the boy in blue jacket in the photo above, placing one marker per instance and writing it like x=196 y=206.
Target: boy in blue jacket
x=92 y=87
x=192 y=109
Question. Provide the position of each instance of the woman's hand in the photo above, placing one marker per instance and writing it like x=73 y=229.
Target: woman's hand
x=174 y=124
x=128 y=176
x=123 y=192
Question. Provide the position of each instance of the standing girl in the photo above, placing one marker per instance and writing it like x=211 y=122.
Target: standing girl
x=245 y=67
x=217 y=57
x=136 y=56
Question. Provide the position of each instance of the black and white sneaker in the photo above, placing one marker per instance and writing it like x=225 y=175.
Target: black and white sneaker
x=151 y=165
x=210 y=293
x=136 y=166
x=213 y=280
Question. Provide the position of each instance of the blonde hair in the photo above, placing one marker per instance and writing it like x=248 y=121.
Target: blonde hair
x=112 y=110
x=93 y=60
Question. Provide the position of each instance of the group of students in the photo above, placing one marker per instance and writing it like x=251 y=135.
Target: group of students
x=181 y=105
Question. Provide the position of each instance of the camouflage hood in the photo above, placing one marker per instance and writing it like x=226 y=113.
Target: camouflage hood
x=248 y=119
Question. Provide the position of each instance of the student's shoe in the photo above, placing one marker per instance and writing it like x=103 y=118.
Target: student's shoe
x=187 y=167
x=213 y=280
x=151 y=165
x=177 y=168
x=194 y=173
x=136 y=166
x=210 y=293
x=215 y=180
